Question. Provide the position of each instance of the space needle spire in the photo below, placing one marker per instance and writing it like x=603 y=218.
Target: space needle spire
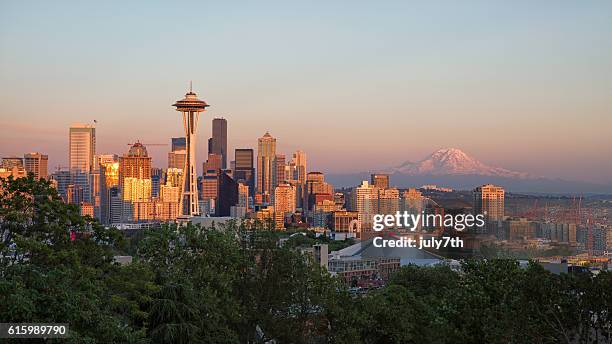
x=190 y=107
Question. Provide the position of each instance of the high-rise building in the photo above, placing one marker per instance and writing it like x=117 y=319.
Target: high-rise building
x=190 y=108
x=81 y=154
x=178 y=144
x=209 y=185
x=82 y=148
x=115 y=205
x=213 y=164
x=412 y=202
x=101 y=159
x=176 y=159
x=157 y=178
x=174 y=176
x=135 y=164
x=284 y=203
x=12 y=161
x=243 y=195
x=109 y=179
x=62 y=179
x=135 y=178
x=388 y=201
x=316 y=185
x=243 y=158
x=228 y=194
x=489 y=201
x=364 y=200
x=299 y=161
x=15 y=172
x=243 y=168
x=36 y=164
x=380 y=180
x=279 y=172
x=266 y=165
x=74 y=194
x=346 y=222
x=219 y=140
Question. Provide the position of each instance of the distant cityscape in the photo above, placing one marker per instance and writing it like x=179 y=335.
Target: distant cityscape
x=124 y=190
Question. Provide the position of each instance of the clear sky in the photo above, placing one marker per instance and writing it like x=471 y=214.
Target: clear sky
x=525 y=85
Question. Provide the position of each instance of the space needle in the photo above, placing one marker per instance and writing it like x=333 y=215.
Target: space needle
x=190 y=107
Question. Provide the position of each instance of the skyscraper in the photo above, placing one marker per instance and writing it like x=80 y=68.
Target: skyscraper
x=364 y=200
x=178 y=143
x=210 y=179
x=135 y=178
x=190 y=108
x=284 y=203
x=109 y=185
x=489 y=201
x=81 y=153
x=244 y=169
x=388 y=201
x=412 y=201
x=213 y=164
x=316 y=185
x=279 y=172
x=228 y=194
x=176 y=157
x=157 y=177
x=380 y=180
x=36 y=163
x=219 y=140
x=266 y=166
x=299 y=161
x=82 y=147
x=12 y=161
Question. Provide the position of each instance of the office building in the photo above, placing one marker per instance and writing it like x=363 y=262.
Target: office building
x=279 y=173
x=228 y=194
x=388 y=201
x=315 y=184
x=284 y=203
x=380 y=180
x=219 y=140
x=299 y=161
x=490 y=199
x=157 y=180
x=412 y=202
x=82 y=148
x=36 y=163
x=178 y=144
x=364 y=200
x=12 y=161
x=213 y=164
x=266 y=165
x=243 y=168
x=135 y=180
x=109 y=179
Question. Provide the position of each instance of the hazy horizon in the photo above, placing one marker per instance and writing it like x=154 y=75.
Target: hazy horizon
x=358 y=87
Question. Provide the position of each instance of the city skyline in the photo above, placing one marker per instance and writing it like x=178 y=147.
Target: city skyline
x=531 y=93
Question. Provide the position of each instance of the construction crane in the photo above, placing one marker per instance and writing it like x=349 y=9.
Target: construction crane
x=589 y=221
x=148 y=144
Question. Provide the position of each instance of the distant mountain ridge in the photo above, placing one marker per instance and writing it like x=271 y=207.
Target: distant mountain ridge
x=453 y=161
x=451 y=167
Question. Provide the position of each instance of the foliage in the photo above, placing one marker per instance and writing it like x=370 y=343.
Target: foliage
x=231 y=284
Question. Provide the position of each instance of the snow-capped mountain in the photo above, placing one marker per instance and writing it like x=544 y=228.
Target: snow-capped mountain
x=453 y=161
